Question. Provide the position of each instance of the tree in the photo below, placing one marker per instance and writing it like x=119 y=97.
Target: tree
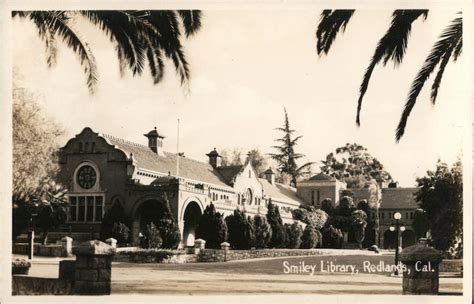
x=346 y=206
x=327 y=206
x=440 y=194
x=392 y=46
x=354 y=165
x=231 y=157
x=263 y=231
x=316 y=218
x=257 y=160
x=359 y=223
x=140 y=37
x=278 y=239
x=153 y=238
x=112 y=217
x=212 y=227
x=294 y=233
x=310 y=238
x=286 y=156
x=241 y=231
x=169 y=230
x=421 y=223
x=121 y=233
x=52 y=209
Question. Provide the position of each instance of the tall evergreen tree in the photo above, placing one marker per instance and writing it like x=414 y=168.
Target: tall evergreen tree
x=212 y=227
x=263 y=231
x=278 y=239
x=241 y=231
x=286 y=156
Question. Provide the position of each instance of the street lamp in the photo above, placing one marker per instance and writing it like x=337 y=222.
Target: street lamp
x=397 y=226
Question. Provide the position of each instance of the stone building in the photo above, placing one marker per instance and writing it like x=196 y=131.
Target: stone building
x=101 y=170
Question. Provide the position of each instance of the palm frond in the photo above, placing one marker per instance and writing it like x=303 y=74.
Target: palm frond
x=58 y=24
x=457 y=50
x=191 y=21
x=392 y=46
x=439 y=76
x=331 y=22
x=446 y=43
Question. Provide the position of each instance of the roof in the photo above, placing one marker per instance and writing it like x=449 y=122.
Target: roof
x=269 y=171
x=147 y=159
x=399 y=198
x=229 y=172
x=154 y=133
x=322 y=177
x=279 y=191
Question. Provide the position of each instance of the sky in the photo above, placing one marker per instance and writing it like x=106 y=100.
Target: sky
x=246 y=66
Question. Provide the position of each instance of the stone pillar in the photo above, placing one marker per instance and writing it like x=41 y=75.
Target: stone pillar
x=31 y=244
x=111 y=242
x=93 y=268
x=225 y=246
x=66 y=243
x=199 y=244
x=421 y=275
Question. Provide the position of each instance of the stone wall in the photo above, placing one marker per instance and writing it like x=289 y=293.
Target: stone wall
x=40 y=250
x=219 y=255
x=25 y=285
x=176 y=258
x=451 y=266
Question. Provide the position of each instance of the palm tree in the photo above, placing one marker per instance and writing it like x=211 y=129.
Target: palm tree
x=140 y=37
x=392 y=47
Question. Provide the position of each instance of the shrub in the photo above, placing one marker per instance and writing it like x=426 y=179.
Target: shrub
x=212 y=228
x=327 y=206
x=332 y=237
x=116 y=214
x=263 y=231
x=420 y=223
x=359 y=222
x=152 y=236
x=148 y=255
x=241 y=231
x=294 y=233
x=169 y=230
x=346 y=204
x=310 y=238
x=278 y=239
x=20 y=266
x=121 y=233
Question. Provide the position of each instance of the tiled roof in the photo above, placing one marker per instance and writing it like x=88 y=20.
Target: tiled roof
x=394 y=198
x=146 y=159
x=279 y=191
x=229 y=172
x=322 y=177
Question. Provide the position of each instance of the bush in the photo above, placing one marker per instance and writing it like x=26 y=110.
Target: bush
x=241 y=230
x=278 y=239
x=148 y=255
x=294 y=233
x=263 y=231
x=359 y=222
x=310 y=238
x=116 y=214
x=152 y=237
x=121 y=233
x=20 y=266
x=332 y=237
x=346 y=204
x=212 y=228
x=327 y=206
x=169 y=230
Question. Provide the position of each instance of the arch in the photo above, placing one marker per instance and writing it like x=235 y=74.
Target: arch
x=187 y=202
x=408 y=238
x=191 y=216
x=144 y=211
x=389 y=239
x=96 y=187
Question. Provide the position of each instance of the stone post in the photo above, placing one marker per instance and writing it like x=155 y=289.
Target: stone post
x=93 y=268
x=199 y=244
x=31 y=244
x=421 y=275
x=225 y=246
x=111 y=242
x=66 y=243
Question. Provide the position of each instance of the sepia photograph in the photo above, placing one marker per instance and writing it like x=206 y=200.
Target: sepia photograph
x=238 y=151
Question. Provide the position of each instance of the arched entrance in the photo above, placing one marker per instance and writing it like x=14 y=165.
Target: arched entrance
x=389 y=239
x=148 y=211
x=408 y=238
x=192 y=215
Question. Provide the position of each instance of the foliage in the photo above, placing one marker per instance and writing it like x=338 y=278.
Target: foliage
x=294 y=233
x=231 y=157
x=169 y=230
x=344 y=223
x=441 y=196
x=152 y=255
x=421 y=224
x=263 y=231
x=258 y=160
x=359 y=223
x=120 y=232
x=327 y=206
x=316 y=218
x=310 y=238
x=364 y=206
x=286 y=156
x=346 y=206
x=273 y=216
x=392 y=46
x=113 y=216
x=212 y=227
x=152 y=236
x=332 y=237
x=140 y=37
x=354 y=165
x=20 y=266
x=241 y=231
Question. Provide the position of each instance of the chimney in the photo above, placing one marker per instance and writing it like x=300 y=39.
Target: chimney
x=155 y=142
x=215 y=160
x=270 y=176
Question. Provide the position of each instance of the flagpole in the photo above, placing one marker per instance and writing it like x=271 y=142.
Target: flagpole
x=177 y=152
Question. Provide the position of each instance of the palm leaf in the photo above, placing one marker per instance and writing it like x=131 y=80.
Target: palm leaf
x=439 y=76
x=191 y=21
x=392 y=46
x=446 y=43
x=331 y=22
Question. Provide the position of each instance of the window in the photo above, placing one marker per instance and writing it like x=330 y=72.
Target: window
x=312 y=197
x=86 y=209
x=406 y=214
x=411 y=215
x=383 y=215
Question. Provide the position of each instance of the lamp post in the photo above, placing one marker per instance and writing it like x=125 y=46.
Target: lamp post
x=397 y=226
